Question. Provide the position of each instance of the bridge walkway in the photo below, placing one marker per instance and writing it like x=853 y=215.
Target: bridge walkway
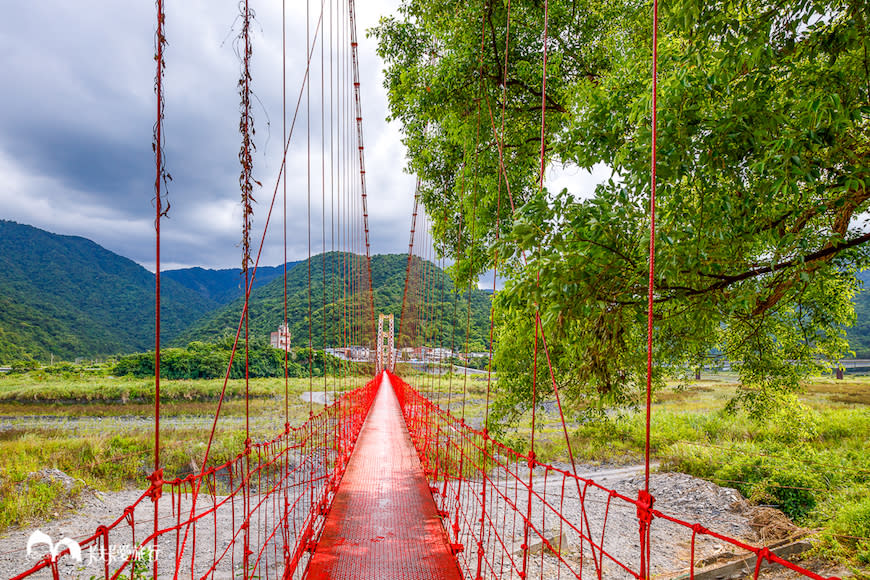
x=383 y=523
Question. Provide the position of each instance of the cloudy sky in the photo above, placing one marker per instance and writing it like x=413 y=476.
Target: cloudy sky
x=78 y=109
x=77 y=116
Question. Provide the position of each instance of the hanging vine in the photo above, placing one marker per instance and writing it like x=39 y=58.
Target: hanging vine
x=161 y=182
x=246 y=128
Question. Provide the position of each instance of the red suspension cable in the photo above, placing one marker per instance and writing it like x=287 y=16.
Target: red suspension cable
x=652 y=238
x=645 y=498
x=362 y=164
x=405 y=306
x=161 y=176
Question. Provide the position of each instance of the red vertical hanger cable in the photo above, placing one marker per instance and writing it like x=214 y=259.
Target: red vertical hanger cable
x=645 y=499
x=159 y=180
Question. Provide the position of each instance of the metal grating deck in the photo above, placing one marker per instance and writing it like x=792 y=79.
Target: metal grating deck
x=383 y=523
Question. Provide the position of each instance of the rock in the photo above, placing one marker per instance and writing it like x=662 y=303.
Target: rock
x=50 y=475
x=558 y=543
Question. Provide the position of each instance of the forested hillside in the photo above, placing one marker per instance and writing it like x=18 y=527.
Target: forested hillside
x=68 y=297
x=327 y=299
x=443 y=322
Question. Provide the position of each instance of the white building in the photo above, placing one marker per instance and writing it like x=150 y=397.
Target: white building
x=281 y=339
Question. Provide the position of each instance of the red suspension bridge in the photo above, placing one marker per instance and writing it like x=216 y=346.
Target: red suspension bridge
x=382 y=482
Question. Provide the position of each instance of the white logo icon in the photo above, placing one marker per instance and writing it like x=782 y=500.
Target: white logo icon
x=39 y=537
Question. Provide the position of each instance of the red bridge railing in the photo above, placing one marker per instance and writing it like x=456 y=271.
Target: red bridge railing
x=511 y=516
x=256 y=516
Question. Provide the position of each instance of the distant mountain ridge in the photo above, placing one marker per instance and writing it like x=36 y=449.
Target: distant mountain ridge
x=67 y=297
x=266 y=308
x=224 y=285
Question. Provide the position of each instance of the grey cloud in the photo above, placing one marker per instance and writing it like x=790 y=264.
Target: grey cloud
x=75 y=130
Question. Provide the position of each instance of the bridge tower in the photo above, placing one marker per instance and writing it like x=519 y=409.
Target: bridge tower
x=386 y=344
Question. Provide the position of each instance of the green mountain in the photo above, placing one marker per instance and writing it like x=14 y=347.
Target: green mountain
x=444 y=320
x=859 y=334
x=225 y=285
x=331 y=295
x=68 y=297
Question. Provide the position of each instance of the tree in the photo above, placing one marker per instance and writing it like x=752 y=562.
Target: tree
x=764 y=112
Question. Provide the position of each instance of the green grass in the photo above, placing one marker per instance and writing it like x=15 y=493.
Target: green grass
x=106 y=460
x=85 y=388
x=95 y=441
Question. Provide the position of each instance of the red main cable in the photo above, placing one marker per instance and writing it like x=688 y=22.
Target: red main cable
x=362 y=164
x=402 y=316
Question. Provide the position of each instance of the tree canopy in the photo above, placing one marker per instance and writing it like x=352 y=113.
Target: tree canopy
x=764 y=112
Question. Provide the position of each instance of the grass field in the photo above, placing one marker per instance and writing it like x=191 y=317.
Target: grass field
x=812 y=462
x=98 y=430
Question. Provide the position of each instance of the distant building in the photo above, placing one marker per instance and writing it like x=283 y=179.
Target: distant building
x=426 y=354
x=351 y=353
x=281 y=339
x=440 y=354
x=359 y=353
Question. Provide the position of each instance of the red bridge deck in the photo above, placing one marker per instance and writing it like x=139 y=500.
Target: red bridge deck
x=383 y=523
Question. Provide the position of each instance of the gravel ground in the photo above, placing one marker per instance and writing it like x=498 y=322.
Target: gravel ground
x=318 y=397
x=611 y=522
x=613 y=526
x=210 y=540
x=685 y=497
